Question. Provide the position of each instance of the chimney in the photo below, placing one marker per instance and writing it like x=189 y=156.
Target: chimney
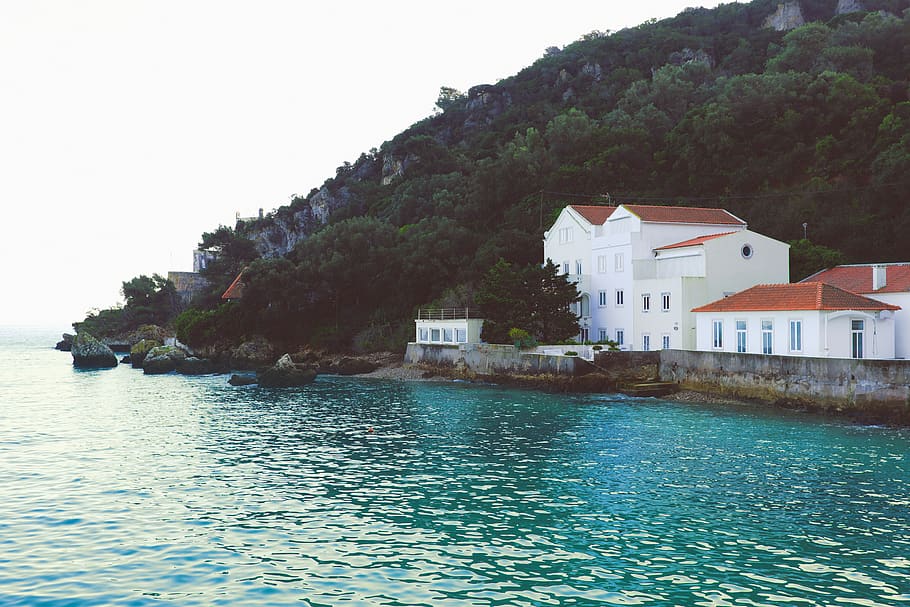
x=879 y=277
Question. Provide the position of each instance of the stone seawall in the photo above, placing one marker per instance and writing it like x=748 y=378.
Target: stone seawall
x=870 y=390
x=494 y=360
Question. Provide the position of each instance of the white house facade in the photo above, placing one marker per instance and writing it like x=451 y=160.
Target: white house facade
x=886 y=282
x=447 y=326
x=802 y=319
x=641 y=268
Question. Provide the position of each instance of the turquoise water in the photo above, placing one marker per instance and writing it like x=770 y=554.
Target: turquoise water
x=121 y=489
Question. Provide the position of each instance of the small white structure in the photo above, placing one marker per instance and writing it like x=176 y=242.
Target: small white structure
x=450 y=326
x=802 y=319
x=640 y=269
x=886 y=282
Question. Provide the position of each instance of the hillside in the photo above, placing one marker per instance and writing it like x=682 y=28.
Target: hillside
x=740 y=107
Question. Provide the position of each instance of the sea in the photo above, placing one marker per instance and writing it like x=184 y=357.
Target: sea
x=123 y=489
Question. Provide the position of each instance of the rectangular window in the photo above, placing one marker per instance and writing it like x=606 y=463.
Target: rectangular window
x=602 y=298
x=565 y=267
x=424 y=335
x=646 y=342
x=645 y=302
x=717 y=334
x=665 y=341
x=740 y=336
x=601 y=264
x=447 y=335
x=796 y=336
x=620 y=337
x=461 y=336
x=434 y=335
x=578 y=267
x=565 y=235
x=767 y=337
x=664 y=302
x=602 y=335
x=618 y=262
x=857 y=329
x=620 y=298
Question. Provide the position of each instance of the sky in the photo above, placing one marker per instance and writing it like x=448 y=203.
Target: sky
x=130 y=127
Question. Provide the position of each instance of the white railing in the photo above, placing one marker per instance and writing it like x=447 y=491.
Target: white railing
x=447 y=314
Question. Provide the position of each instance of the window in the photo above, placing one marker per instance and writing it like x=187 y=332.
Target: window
x=618 y=262
x=424 y=335
x=857 y=328
x=767 y=337
x=717 y=334
x=740 y=336
x=620 y=298
x=645 y=302
x=434 y=334
x=796 y=336
x=578 y=267
x=664 y=302
x=601 y=264
x=565 y=235
x=665 y=341
x=747 y=251
x=646 y=342
x=602 y=298
x=602 y=335
x=620 y=337
x=461 y=336
x=565 y=267
x=447 y=335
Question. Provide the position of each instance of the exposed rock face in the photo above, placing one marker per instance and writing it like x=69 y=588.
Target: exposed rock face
x=195 y=366
x=162 y=359
x=286 y=374
x=89 y=353
x=485 y=102
x=253 y=354
x=242 y=380
x=848 y=6
x=65 y=344
x=688 y=55
x=349 y=366
x=593 y=70
x=788 y=16
x=140 y=349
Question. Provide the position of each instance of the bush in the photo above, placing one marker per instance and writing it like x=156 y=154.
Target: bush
x=522 y=339
x=571 y=353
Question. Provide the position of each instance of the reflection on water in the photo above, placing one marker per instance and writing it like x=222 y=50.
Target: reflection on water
x=117 y=488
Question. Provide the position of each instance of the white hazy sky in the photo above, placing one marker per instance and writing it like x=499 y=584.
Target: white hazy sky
x=130 y=127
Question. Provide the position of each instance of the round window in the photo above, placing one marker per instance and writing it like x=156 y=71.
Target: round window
x=746 y=251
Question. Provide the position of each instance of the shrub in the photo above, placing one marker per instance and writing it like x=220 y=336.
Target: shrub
x=571 y=353
x=522 y=339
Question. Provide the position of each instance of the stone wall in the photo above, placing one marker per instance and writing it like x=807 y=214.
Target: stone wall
x=874 y=390
x=493 y=360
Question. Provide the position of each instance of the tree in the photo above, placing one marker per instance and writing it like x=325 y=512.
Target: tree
x=807 y=258
x=448 y=97
x=148 y=299
x=533 y=298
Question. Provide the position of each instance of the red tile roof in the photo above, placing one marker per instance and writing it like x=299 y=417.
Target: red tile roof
x=797 y=296
x=661 y=214
x=693 y=241
x=235 y=291
x=595 y=215
x=859 y=278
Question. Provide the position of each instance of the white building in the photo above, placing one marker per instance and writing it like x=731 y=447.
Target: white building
x=447 y=326
x=802 y=319
x=640 y=269
x=887 y=282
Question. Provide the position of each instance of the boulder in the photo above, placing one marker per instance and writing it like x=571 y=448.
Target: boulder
x=254 y=354
x=89 y=353
x=354 y=366
x=162 y=359
x=149 y=332
x=125 y=360
x=285 y=374
x=139 y=351
x=65 y=344
x=242 y=380
x=195 y=366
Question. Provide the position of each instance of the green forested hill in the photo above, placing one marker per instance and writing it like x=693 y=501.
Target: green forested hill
x=708 y=108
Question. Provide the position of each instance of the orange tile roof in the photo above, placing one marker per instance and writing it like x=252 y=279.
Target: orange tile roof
x=859 y=278
x=796 y=296
x=595 y=215
x=235 y=291
x=693 y=241
x=662 y=214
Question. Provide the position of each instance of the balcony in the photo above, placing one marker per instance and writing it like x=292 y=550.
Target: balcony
x=447 y=314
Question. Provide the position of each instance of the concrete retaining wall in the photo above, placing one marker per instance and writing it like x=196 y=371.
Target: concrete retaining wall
x=878 y=389
x=494 y=359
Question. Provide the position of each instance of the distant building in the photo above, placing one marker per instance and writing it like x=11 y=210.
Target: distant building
x=640 y=269
x=886 y=282
x=802 y=319
x=235 y=290
x=202 y=258
x=450 y=326
x=188 y=285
